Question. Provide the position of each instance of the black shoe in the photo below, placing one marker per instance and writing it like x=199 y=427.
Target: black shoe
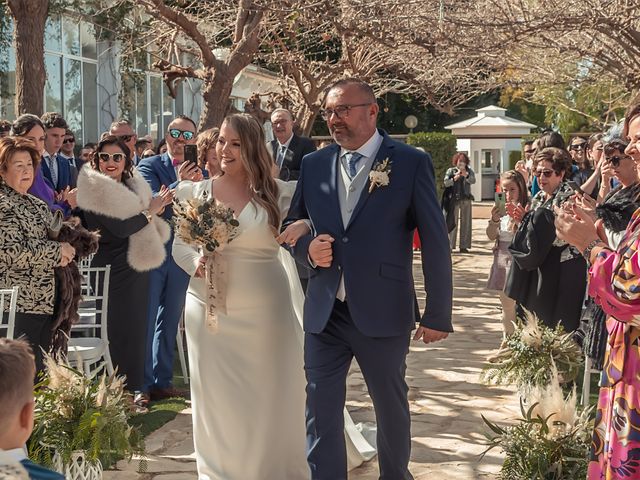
x=465 y=250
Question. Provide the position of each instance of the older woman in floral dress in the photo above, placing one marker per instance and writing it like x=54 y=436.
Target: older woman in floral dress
x=614 y=283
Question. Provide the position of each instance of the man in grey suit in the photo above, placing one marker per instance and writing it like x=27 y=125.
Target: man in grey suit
x=288 y=148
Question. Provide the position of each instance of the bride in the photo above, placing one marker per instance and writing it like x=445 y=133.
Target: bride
x=247 y=379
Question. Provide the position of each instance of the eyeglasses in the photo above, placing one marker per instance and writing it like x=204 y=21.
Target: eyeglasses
x=125 y=138
x=615 y=160
x=546 y=173
x=341 y=111
x=69 y=140
x=578 y=146
x=116 y=157
x=186 y=134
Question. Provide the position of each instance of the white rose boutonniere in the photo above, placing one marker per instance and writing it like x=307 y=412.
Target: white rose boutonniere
x=379 y=175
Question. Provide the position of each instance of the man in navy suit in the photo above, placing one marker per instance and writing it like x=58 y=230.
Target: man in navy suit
x=168 y=283
x=56 y=170
x=365 y=195
x=17 y=370
x=288 y=148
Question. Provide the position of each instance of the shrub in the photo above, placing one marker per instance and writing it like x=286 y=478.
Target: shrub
x=441 y=146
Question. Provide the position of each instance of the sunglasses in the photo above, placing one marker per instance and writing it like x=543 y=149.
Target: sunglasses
x=186 y=134
x=527 y=152
x=546 y=173
x=125 y=138
x=579 y=146
x=615 y=160
x=69 y=140
x=116 y=157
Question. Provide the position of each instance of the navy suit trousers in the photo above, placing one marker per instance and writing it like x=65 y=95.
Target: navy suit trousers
x=382 y=360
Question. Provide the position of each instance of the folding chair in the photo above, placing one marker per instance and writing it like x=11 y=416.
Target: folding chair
x=8 y=301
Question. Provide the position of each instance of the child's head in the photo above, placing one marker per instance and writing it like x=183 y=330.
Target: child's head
x=17 y=370
x=514 y=187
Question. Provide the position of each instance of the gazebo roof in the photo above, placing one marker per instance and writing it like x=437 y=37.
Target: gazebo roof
x=491 y=117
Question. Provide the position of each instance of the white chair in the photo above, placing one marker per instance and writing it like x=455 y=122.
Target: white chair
x=586 y=380
x=181 y=355
x=8 y=297
x=85 y=262
x=86 y=351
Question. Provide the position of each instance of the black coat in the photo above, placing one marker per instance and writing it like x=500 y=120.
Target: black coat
x=538 y=280
x=299 y=147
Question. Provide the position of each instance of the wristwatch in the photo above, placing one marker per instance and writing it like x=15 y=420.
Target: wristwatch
x=147 y=214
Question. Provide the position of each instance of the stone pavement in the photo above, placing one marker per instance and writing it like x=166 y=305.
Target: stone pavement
x=446 y=396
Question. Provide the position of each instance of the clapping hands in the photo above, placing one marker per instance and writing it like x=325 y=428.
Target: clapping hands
x=164 y=198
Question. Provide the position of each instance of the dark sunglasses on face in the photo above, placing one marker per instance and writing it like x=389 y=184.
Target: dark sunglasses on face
x=186 y=134
x=615 y=160
x=578 y=146
x=528 y=152
x=69 y=140
x=546 y=173
x=116 y=157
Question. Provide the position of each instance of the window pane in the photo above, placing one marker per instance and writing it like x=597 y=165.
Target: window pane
x=88 y=39
x=53 y=34
x=155 y=92
x=73 y=95
x=167 y=101
x=7 y=77
x=71 y=35
x=90 y=104
x=53 y=86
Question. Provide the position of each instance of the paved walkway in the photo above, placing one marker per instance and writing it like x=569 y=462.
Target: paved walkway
x=446 y=396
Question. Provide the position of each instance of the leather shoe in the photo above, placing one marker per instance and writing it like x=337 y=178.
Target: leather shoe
x=141 y=399
x=465 y=250
x=169 y=392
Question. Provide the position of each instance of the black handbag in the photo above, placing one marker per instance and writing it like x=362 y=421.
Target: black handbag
x=447 y=203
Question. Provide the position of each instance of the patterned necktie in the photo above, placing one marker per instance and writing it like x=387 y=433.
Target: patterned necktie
x=352 y=159
x=54 y=175
x=281 y=154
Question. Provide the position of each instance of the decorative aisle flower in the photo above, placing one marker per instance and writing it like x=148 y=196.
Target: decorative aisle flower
x=379 y=175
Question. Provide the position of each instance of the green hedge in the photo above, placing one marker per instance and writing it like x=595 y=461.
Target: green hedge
x=514 y=157
x=441 y=146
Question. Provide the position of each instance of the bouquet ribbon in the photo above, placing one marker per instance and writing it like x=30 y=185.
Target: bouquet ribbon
x=216 y=281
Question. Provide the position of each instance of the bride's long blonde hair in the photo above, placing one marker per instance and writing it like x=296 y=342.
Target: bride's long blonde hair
x=258 y=164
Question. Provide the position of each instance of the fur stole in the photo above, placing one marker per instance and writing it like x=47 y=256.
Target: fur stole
x=618 y=207
x=102 y=195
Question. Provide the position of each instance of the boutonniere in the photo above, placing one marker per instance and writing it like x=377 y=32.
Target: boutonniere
x=379 y=174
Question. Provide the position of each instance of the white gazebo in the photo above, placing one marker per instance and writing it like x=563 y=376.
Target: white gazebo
x=487 y=139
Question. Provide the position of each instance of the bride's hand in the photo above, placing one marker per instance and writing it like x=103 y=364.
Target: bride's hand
x=293 y=233
x=202 y=262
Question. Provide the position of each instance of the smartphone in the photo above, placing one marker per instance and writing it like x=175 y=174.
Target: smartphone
x=191 y=154
x=500 y=203
x=574 y=186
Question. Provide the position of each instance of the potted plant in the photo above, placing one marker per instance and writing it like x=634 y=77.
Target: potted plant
x=81 y=422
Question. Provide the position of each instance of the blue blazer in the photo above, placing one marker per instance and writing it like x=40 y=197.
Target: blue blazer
x=158 y=171
x=37 y=472
x=374 y=251
x=64 y=173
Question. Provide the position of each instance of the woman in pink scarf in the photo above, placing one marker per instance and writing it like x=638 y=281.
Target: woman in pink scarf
x=614 y=283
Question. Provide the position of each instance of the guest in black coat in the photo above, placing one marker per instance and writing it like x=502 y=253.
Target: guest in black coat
x=547 y=275
x=117 y=201
x=288 y=148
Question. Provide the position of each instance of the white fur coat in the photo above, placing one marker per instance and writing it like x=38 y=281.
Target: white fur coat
x=102 y=195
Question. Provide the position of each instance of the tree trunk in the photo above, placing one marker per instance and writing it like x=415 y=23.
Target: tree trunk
x=309 y=116
x=215 y=97
x=29 y=17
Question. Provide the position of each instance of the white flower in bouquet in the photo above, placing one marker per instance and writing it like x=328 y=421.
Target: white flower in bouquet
x=550 y=402
x=531 y=333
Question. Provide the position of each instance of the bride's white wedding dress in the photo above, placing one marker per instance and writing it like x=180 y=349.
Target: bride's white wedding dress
x=247 y=380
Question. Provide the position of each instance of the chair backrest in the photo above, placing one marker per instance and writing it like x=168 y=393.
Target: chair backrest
x=95 y=301
x=85 y=263
x=8 y=300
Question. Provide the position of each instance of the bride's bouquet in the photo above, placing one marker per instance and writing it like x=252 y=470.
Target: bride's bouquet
x=205 y=223
x=210 y=226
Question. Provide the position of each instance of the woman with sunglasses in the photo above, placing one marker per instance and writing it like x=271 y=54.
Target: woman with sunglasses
x=614 y=278
x=115 y=200
x=547 y=276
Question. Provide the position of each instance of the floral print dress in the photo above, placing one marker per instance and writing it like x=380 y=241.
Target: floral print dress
x=614 y=283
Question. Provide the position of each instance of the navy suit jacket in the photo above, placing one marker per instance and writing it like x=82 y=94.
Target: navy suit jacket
x=299 y=146
x=64 y=173
x=374 y=251
x=158 y=171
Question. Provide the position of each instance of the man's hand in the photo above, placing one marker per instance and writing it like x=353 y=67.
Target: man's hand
x=321 y=251
x=189 y=171
x=428 y=335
